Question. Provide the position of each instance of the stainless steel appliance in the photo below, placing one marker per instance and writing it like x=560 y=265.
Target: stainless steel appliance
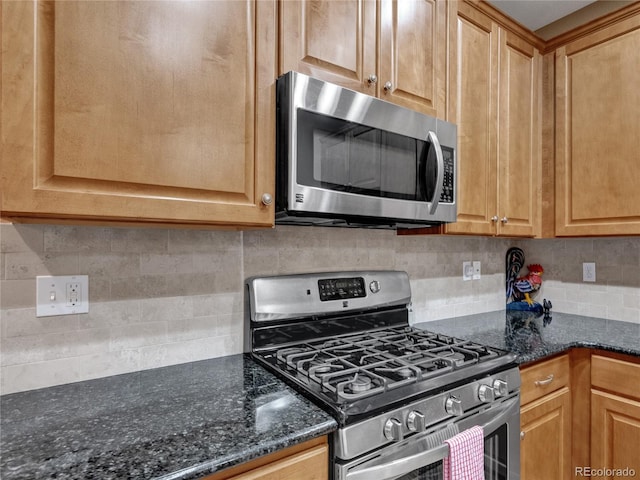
x=397 y=392
x=349 y=159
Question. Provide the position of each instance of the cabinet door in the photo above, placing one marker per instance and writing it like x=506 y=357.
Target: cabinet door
x=545 y=446
x=334 y=40
x=519 y=161
x=312 y=464
x=139 y=111
x=413 y=42
x=598 y=132
x=615 y=432
x=473 y=107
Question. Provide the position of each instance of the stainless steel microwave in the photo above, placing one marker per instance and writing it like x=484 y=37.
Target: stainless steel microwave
x=348 y=159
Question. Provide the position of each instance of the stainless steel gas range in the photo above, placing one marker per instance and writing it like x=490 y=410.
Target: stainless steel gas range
x=397 y=392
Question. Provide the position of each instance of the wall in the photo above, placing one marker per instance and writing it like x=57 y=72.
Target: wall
x=615 y=294
x=161 y=297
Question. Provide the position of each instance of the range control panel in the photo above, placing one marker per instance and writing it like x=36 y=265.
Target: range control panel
x=341 y=288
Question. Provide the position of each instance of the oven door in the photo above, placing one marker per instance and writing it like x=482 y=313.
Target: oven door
x=421 y=457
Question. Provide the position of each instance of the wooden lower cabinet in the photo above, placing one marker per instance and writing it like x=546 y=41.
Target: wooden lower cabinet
x=545 y=420
x=307 y=461
x=545 y=439
x=615 y=416
x=615 y=433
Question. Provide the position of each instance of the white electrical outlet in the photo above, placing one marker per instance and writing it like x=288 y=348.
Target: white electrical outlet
x=476 y=270
x=467 y=271
x=62 y=295
x=589 y=272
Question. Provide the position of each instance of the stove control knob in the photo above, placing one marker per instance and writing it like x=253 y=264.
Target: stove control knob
x=486 y=394
x=453 y=406
x=416 y=422
x=501 y=388
x=393 y=430
x=374 y=286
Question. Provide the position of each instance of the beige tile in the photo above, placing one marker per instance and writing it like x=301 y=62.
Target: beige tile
x=17 y=293
x=218 y=304
x=21 y=322
x=109 y=265
x=76 y=239
x=21 y=238
x=23 y=266
x=166 y=264
x=111 y=314
x=136 y=288
x=17 y=378
x=204 y=241
x=167 y=309
x=132 y=336
x=50 y=346
x=129 y=240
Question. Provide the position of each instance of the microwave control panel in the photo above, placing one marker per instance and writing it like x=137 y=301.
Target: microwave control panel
x=448 y=181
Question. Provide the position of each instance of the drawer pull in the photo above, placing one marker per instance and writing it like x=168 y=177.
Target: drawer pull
x=546 y=381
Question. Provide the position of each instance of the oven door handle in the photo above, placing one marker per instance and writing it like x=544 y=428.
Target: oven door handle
x=403 y=465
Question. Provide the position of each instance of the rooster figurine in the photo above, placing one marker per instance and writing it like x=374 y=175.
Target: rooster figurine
x=531 y=282
x=521 y=288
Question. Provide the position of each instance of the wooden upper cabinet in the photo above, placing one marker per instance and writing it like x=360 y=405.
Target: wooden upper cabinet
x=494 y=93
x=519 y=138
x=395 y=50
x=139 y=111
x=598 y=132
x=473 y=92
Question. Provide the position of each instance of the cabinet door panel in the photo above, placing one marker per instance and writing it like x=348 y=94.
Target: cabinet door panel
x=142 y=110
x=331 y=40
x=473 y=107
x=615 y=432
x=413 y=54
x=545 y=449
x=598 y=133
x=519 y=150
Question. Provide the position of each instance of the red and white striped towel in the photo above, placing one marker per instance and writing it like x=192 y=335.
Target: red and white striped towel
x=466 y=456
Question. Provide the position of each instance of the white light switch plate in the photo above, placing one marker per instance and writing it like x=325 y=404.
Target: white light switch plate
x=62 y=295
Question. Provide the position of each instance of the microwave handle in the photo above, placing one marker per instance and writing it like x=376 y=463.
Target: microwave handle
x=404 y=465
x=435 y=144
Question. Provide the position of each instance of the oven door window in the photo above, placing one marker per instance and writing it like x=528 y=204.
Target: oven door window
x=338 y=155
x=495 y=461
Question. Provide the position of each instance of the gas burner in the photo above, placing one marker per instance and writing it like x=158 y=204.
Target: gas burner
x=359 y=384
x=405 y=372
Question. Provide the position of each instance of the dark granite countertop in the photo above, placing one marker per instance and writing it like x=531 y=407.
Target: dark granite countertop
x=532 y=338
x=179 y=422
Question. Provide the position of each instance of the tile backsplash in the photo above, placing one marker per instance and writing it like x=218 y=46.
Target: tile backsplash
x=163 y=296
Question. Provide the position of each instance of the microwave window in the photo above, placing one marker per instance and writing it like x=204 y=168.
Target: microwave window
x=345 y=156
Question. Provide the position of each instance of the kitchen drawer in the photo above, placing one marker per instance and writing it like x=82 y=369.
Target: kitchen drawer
x=544 y=377
x=615 y=375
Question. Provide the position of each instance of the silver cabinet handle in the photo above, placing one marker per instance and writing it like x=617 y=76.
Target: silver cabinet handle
x=373 y=79
x=388 y=86
x=522 y=434
x=504 y=219
x=494 y=219
x=546 y=381
x=267 y=199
